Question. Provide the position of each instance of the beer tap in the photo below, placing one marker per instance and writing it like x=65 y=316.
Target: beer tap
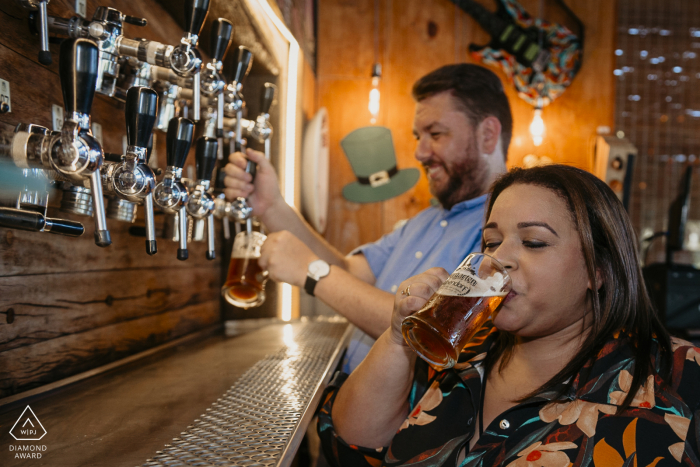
x=201 y=203
x=34 y=7
x=213 y=82
x=73 y=152
x=170 y=194
x=132 y=179
x=234 y=98
x=184 y=59
x=22 y=219
x=106 y=29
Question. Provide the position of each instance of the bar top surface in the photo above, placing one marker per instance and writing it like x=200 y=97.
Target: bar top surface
x=242 y=400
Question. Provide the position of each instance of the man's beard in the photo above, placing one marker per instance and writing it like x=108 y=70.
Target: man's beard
x=466 y=178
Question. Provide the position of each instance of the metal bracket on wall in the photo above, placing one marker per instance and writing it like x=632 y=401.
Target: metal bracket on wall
x=57 y=117
x=5 y=106
x=81 y=7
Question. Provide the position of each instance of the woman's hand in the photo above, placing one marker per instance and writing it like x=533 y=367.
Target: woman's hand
x=412 y=295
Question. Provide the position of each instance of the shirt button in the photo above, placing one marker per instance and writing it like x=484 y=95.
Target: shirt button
x=394 y=288
x=505 y=424
x=443 y=224
x=419 y=254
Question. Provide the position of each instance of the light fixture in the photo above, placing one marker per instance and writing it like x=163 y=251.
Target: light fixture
x=374 y=94
x=537 y=128
x=285 y=303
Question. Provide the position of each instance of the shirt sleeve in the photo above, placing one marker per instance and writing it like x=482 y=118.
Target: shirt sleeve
x=377 y=253
x=338 y=452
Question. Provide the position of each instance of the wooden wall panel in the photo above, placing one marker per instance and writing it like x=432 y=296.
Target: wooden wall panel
x=416 y=37
x=66 y=305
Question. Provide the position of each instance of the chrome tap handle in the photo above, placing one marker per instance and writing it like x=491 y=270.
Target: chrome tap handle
x=206 y=157
x=178 y=141
x=268 y=97
x=220 y=39
x=245 y=62
x=195 y=14
x=182 y=252
x=77 y=68
x=140 y=112
x=102 y=237
x=197 y=94
x=211 y=251
x=151 y=244
x=44 y=54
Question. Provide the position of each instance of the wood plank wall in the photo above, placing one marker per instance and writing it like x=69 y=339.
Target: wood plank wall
x=66 y=305
x=415 y=37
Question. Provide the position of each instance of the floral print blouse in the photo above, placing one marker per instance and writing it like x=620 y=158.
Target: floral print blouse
x=662 y=426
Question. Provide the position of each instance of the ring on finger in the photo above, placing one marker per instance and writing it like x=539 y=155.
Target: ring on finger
x=406 y=291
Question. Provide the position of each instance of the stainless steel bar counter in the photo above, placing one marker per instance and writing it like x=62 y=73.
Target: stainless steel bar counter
x=244 y=400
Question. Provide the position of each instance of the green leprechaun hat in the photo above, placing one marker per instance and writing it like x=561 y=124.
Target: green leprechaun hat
x=370 y=151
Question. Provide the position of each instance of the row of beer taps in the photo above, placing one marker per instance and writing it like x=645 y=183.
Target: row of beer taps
x=96 y=57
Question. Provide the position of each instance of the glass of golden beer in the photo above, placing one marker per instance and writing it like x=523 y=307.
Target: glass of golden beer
x=245 y=283
x=454 y=313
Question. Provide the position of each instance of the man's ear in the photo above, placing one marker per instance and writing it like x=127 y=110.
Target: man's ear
x=487 y=134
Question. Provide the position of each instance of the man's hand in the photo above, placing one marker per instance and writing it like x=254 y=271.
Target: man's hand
x=412 y=295
x=286 y=258
x=263 y=192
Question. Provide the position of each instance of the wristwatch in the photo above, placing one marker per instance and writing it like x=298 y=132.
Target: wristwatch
x=317 y=270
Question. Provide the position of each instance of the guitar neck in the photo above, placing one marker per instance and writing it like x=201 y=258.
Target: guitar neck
x=486 y=19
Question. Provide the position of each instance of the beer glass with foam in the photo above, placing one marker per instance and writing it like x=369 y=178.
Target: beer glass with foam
x=245 y=283
x=457 y=310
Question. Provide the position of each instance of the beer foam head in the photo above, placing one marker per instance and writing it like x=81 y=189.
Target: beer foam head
x=464 y=284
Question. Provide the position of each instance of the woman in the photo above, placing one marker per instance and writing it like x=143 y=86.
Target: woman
x=575 y=367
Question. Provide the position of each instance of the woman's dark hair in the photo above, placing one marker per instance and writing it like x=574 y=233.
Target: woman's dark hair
x=479 y=93
x=609 y=248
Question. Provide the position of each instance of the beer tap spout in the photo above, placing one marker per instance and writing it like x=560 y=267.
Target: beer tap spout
x=170 y=194
x=201 y=204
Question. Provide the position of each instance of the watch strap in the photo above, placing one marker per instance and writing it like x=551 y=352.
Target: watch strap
x=310 y=285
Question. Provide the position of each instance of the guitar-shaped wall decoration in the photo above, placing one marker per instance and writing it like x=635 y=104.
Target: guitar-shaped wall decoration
x=540 y=58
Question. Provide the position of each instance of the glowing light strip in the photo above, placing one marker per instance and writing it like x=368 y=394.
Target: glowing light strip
x=290 y=144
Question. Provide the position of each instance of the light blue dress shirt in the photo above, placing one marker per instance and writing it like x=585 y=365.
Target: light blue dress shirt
x=434 y=237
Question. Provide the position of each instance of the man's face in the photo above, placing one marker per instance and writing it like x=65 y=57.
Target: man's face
x=448 y=150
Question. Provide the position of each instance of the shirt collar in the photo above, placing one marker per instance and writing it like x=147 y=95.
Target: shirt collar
x=599 y=381
x=467 y=205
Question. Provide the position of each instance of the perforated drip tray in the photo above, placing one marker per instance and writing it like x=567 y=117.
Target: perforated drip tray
x=262 y=418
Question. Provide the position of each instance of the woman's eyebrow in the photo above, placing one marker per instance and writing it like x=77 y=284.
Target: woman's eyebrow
x=490 y=225
x=522 y=225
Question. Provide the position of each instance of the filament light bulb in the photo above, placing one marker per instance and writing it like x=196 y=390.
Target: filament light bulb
x=537 y=128
x=374 y=94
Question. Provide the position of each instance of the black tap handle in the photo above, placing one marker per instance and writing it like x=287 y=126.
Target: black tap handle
x=77 y=67
x=178 y=141
x=64 y=227
x=195 y=14
x=220 y=38
x=136 y=21
x=245 y=61
x=140 y=111
x=112 y=157
x=206 y=157
x=268 y=96
x=35 y=222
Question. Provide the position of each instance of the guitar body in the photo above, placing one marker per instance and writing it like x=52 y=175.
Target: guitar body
x=540 y=58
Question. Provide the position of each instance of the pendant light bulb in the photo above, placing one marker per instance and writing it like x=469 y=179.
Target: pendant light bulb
x=374 y=94
x=537 y=128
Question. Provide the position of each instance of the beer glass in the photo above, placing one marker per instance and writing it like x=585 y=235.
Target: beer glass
x=245 y=283
x=454 y=313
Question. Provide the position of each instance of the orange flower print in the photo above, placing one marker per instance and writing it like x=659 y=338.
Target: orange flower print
x=644 y=397
x=470 y=363
x=548 y=455
x=431 y=399
x=584 y=414
x=680 y=426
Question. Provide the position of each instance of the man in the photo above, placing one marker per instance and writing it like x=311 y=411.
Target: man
x=463 y=127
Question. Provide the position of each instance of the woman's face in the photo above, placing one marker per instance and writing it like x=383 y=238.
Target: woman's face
x=531 y=232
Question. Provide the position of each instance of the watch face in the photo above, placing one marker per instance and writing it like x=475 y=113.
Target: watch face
x=319 y=268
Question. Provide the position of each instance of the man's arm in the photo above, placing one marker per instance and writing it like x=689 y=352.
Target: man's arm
x=271 y=208
x=348 y=291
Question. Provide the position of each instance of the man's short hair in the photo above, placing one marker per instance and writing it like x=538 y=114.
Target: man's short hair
x=479 y=93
